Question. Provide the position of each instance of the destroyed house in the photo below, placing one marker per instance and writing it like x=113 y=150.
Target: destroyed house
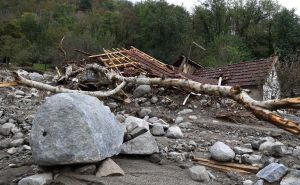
x=132 y=62
x=259 y=76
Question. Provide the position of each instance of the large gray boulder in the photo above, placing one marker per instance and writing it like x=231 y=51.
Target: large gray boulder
x=74 y=128
x=199 y=173
x=221 y=152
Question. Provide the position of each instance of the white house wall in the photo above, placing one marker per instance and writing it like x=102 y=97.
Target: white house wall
x=271 y=88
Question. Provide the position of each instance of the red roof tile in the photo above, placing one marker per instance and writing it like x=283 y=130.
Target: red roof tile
x=242 y=73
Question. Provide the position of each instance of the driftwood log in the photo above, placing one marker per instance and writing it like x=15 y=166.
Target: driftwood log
x=261 y=109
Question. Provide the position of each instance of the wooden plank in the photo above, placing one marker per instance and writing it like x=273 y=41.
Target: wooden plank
x=103 y=54
x=135 y=64
x=232 y=165
x=8 y=84
x=123 y=65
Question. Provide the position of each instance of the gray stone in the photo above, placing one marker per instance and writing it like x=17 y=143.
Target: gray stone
x=38 y=179
x=266 y=147
x=193 y=117
x=154 y=99
x=6 y=128
x=178 y=120
x=5 y=143
x=19 y=92
x=259 y=182
x=251 y=159
x=141 y=91
x=292 y=178
x=199 y=173
x=144 y=144
x=153 y=120
x=36 y=77
x=221 y=152
x=86 y=169
x=279 y=150
x=109 y=168
x=144 y=112
x=247 y=182
x=12 y=150
x=157 y=130
x=174 y=132
x=185 y=125
x=273 y=172
x=17 y=142
x=296 y=151
x=1 y=113
x=73 y=128
x=112 y=105
x=132 y=122
x=185 y=111
x=241 y=150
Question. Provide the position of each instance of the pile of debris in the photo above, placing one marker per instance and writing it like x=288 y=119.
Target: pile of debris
x=73 y=137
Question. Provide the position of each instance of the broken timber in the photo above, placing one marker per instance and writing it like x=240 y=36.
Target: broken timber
x=227 y=167
x=8 y=84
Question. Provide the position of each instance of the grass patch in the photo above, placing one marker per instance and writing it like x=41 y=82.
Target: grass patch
x=41 y=67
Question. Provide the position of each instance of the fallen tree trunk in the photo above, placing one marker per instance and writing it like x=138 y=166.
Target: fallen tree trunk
x=261 y=109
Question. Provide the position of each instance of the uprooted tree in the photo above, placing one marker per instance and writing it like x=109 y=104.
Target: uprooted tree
x=261 y=109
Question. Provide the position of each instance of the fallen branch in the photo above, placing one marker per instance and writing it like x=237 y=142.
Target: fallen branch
x=23 y=81
x=227 y=167
x=261 y=109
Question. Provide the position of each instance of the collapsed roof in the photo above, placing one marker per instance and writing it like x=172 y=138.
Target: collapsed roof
x=131 y=62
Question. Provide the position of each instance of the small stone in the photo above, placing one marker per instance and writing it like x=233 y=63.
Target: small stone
x=266 y=147
x=296 y=151
x=279 y=150
x=26 y=147
x=247 y=182
x=144 y=144
x=141 y=91
x=251 y=159
x=192 y=143
x=12 y=150
x=132 y=122
x=109 y=168
x=19 y=92
x=185 y=111
x=36 y=77
x=199 y=173
x=221 y=152
x=259 y=182
x=38 y=179
x=273 y=172
x=113 y=105
x=178 y=120
x=155 y=158
x=86 y=169
x=157 y=130
x=5 y=143
x=154 y=99
x=1 y=113
x=17 y=142
x=185 y=125
x=193 y=117
x=174 y=132
x=292 y=178
x=6 y=128
x=240 y=150
x=144 y=112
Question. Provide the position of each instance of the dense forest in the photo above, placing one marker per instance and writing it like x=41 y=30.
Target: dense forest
x=229 y=30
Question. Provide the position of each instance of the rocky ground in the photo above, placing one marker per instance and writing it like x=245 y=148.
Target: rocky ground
x=180 y=133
